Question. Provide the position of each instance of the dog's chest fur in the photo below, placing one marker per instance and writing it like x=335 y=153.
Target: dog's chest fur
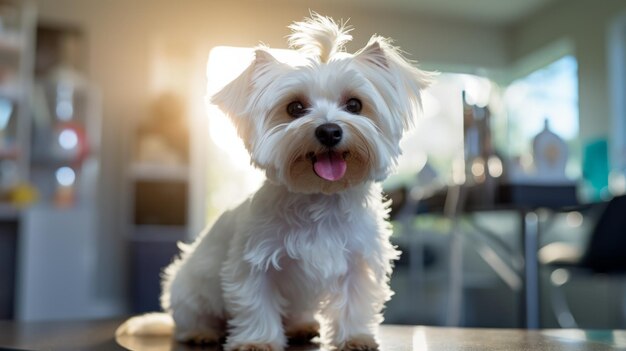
x=317 y=236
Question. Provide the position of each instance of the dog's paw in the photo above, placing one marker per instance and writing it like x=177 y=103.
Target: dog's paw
x=205 y=337
x=303 y=334
x=360 y=343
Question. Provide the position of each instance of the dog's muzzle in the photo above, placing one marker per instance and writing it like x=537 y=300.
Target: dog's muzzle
x=331 y=164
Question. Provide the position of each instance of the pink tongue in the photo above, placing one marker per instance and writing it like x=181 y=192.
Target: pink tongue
x=330 y=166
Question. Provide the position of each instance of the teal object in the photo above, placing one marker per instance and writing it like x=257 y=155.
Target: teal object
x=596 y=169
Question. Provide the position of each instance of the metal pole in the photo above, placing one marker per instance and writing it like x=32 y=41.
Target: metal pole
x=531 y=267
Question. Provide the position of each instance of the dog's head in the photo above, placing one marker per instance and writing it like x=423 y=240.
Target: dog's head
x=332 y=122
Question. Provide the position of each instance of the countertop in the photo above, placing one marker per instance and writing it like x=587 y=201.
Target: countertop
x=99 y=335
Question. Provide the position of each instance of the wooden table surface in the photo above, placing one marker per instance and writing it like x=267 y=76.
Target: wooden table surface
x=98 y=335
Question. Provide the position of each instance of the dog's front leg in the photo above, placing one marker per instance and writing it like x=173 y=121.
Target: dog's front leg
x=353 y=313
x=254 y=308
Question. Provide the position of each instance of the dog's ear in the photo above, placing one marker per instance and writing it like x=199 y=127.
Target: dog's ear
x=398 y=80
x=237 y=97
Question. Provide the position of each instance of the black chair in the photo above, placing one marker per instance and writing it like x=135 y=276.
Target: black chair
x=605 y=253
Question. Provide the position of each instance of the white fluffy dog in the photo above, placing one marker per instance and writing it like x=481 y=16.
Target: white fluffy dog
x=309 y=252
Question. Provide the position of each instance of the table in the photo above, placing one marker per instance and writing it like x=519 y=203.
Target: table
x=98 y=335
x=525 y=200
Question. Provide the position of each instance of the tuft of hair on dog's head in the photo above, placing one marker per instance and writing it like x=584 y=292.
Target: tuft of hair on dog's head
x=319 y=36
x=388 y=86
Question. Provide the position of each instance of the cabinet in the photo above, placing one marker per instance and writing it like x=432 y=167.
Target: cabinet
x=17 y=27
x=63 y=255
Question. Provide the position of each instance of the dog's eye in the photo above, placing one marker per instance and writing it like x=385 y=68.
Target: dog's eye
x=353 y=105
x=296 y=109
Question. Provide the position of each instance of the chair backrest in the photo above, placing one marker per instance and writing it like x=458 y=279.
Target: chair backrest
x=606 y=251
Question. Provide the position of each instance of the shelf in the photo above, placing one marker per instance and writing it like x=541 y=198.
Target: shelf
x=8 y=212
x=10 y=153
x=10 y=91
x=11 y=43
x=159 y=172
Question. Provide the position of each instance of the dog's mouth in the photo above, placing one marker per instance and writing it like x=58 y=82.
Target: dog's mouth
x=329 y=165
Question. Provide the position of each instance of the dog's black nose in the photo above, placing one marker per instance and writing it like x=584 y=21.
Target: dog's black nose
x=329 y=134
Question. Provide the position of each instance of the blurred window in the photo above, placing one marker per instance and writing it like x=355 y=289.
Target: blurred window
x=517 y=114
x=550 y=93
x=437 y=140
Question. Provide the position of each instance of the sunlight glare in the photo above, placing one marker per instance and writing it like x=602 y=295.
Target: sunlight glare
x=238 y=177
x=477 y=90
x=420 y=342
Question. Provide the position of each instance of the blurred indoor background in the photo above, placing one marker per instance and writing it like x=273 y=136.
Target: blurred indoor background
x=507 y=202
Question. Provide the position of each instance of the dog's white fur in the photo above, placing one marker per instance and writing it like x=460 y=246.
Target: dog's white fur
x=302 y=250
